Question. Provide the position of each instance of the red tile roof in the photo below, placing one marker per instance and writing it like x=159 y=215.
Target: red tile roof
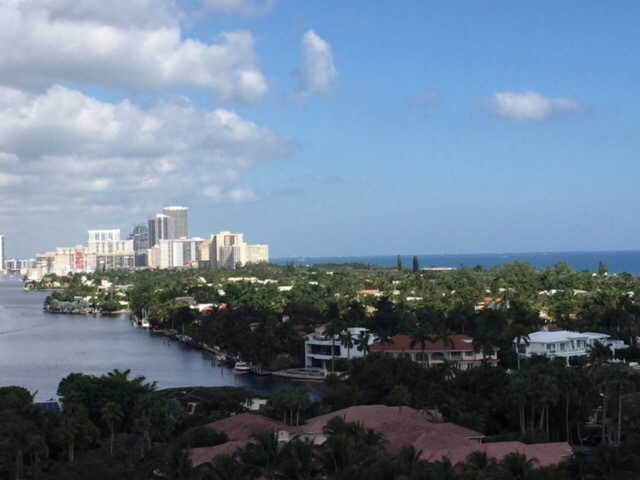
x=400 y=427
x=403 y=343
x=243 y=426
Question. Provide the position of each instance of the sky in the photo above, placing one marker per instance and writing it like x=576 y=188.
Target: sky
x=331 y=127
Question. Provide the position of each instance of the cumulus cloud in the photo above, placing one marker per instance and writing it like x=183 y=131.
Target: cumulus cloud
x=247 y=8
x=72 y=155
x=531 y=105
x=317 y=74
x=129 y=45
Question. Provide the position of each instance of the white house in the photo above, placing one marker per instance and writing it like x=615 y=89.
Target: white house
x=317 y=349
x=564 y=343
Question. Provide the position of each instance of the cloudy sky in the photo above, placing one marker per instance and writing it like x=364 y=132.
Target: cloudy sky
x=324 y=127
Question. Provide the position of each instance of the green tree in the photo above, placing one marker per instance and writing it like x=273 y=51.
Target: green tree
x=416 y=265
x=111 y=416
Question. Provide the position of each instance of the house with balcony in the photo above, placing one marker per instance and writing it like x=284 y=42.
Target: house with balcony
x=459 y=349
x=320 y=349
x=564 y=343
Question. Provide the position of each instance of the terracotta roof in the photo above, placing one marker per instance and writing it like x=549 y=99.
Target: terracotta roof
x=241 y=427
x=400 y=427
x=202 y=455
x=544 y=454
x=369 y=292
x=403 y=343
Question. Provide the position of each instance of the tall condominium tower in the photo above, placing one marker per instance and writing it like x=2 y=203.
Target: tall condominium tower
x=179 y=225
x=159 y=229
x=140 y=237
x=1 y=252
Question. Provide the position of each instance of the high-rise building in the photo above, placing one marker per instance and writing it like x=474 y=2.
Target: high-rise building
x=179 y=225
x=159 y=229
x=220 y=240
x=1 y=252
x=140 y=237
x=228 y=250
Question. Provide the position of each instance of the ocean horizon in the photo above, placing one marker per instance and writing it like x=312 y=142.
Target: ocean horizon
x=616 y=261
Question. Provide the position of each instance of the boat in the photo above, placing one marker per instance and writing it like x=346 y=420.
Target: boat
x=241 y=367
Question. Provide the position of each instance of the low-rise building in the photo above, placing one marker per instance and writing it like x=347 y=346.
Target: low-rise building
x=460 y=349
x=318 y=348
x=563 y=343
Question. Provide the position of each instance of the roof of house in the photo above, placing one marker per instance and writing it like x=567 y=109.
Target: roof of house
x=543 y=454
x=403 y=343
x=244 y=425
x=563 y=336
x=399 y=426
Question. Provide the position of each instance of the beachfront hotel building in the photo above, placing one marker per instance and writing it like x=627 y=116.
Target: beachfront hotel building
x=104 y=251
x=162 y=243
x=228 y=250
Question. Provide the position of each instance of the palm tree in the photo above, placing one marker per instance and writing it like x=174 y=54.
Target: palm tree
x=332 y=331
x=223 y=467
x=111 y=416
x=348 y=341
x=362 y=342
x=420 y=336
x=385 y=339
x=517 y=466
x=478 y=466
x=298 y=461
x=261 y=457
x=519 y=334
x=599 y=353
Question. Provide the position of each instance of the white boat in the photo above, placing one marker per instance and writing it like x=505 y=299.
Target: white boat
x=241 y=367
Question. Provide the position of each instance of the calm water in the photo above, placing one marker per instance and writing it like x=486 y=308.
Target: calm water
x=617 y=262
x=37 y=350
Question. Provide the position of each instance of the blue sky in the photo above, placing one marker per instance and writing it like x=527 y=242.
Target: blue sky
x=324 y=128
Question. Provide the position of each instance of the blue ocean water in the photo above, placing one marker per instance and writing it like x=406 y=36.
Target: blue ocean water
x=616 y=261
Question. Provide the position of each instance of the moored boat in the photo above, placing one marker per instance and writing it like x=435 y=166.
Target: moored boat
x=241 y=367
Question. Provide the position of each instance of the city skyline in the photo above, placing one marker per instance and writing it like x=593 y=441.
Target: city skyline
x=323 y=128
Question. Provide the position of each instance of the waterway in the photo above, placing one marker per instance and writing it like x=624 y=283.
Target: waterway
x=38 y=349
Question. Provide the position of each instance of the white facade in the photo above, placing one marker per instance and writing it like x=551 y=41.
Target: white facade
x=228 y=250
x=565 y=344
x=317 y=350
x=1 y=252
x=257 y=254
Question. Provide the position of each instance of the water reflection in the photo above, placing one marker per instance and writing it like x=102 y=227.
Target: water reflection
x=38 y=349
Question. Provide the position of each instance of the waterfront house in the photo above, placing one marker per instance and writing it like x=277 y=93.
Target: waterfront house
x=563 y=343
x=318 y=348
x=460 y=349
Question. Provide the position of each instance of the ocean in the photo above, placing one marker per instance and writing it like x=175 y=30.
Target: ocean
x=616 y=261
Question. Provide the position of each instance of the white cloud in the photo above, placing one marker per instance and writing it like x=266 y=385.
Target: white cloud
x=248 y=8
x=233 y=195
x=71 y=155
x=135 y=46
x=531 y=105
x=317 y=73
